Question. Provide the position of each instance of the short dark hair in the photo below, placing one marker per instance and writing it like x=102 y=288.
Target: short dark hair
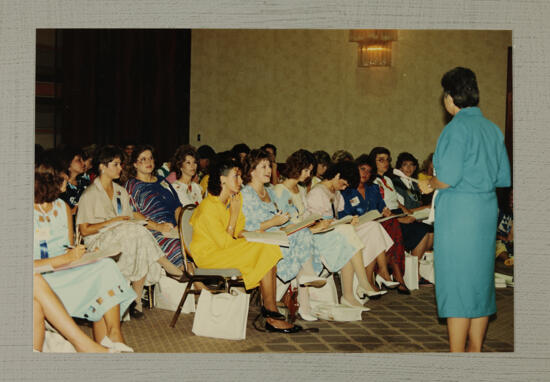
x=348 y=171
x=240 y=148
x=107 y=154
x=322 y=157
x=404 y=157
x=179 y=157
x=298 y=161
x=47 y=182
x=206 y=152
x=461 y=84
x=219 y=166
x=342 y=155
x=67 y=156
x=129 y=169
x=376 y=151
x=270 y=146
x=251 y=161
x=362 y=160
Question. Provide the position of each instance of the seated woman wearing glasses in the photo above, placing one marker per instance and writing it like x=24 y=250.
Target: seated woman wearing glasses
x=96 y=292
x=416 y=235
x=106 y=220
x=218 y=223
x=340 y=248
x=366 y=197
x=153 y=198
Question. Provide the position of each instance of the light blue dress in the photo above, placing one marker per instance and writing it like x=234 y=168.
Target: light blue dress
x=301 y=247
x=471 y=158
x=335 y=247
x=88 y=291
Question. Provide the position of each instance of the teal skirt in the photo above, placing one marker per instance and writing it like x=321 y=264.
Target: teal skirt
x=464 y=253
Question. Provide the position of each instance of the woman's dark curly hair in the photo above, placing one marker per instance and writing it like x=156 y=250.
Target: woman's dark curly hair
x=362 y=160
x=179 y=157
x=251 y=161
x=407 y=157
x=130 y=171
x=48 y=179
x=297 y=162
x=219 y=166
x=376 y=151
x=461 y=84
x=347 y=170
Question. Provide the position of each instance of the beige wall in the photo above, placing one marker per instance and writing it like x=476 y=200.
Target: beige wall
x=303 y=89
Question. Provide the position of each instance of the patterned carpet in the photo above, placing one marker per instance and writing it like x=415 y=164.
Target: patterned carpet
x=396 y=323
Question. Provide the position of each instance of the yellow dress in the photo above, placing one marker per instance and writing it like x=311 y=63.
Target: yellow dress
x=213 y=247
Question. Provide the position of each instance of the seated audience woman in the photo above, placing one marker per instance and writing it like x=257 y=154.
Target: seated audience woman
x=366 y=197
x=271 y=149
x=417 y=237
x=406 y=188
x=325 y=199
x=218 y=223
x=322 y=160
x=340 y=249
x=426 y=173
x=184 y=164
x=96 y=292
x=74 y=167
x=261 y=213
x=153 y=198
x=106 y=220
x=47 y=307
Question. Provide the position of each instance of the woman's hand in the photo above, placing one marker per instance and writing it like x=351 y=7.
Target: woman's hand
x=75 y=253
x=163 y=227
x=407 y=219
x=235 y=204
x=320 y=226
x=425 y=186
x=386 y=212
x=354 y=220
x=279 y=219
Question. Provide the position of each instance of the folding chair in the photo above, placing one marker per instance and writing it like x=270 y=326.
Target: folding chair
x=217 y=280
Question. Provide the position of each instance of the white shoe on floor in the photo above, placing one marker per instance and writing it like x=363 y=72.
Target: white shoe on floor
x=117 y=346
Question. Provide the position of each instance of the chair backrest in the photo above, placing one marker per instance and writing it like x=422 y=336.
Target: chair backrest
x=186 y=230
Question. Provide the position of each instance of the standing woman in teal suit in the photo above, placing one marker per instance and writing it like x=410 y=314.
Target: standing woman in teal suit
x=470 y=161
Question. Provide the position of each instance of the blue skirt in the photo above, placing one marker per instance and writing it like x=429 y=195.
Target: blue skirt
x=91 y=290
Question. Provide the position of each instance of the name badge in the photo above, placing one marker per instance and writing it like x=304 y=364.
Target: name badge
x=354 y=201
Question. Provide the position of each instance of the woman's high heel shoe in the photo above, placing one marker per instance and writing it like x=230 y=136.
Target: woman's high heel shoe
x=271 y=314
x=388 y=284
x=293 y=329
x=345 y=302
x=363 y=294
x=403 y=291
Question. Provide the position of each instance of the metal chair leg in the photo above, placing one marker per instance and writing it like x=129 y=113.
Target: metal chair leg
x=180 y=306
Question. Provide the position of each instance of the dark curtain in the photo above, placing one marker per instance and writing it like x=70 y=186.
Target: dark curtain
x=126 y=86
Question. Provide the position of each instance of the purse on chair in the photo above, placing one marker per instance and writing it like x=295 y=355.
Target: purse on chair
x=222 y=315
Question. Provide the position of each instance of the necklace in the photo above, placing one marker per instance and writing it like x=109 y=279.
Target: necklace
x=44 y=213
x=262 y=196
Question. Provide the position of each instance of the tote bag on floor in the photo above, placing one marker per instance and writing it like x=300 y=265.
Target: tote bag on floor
x=222 y=315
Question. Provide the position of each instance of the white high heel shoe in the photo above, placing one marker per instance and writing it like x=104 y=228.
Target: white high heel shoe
x=345 y=302
x=364 y=294
x=388 y=284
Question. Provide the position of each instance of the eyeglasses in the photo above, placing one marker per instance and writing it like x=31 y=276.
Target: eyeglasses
x=145 y=160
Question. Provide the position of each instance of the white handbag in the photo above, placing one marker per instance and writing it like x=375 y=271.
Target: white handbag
x=341 y=313
x=411 y=272
x=222 y=315
x=326 y=294
x=168 y=293
x=427 y=267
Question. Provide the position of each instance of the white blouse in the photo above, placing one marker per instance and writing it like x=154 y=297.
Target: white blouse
x=188 y=193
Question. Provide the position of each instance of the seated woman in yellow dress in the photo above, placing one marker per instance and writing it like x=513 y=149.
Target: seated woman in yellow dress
x=217 y=224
